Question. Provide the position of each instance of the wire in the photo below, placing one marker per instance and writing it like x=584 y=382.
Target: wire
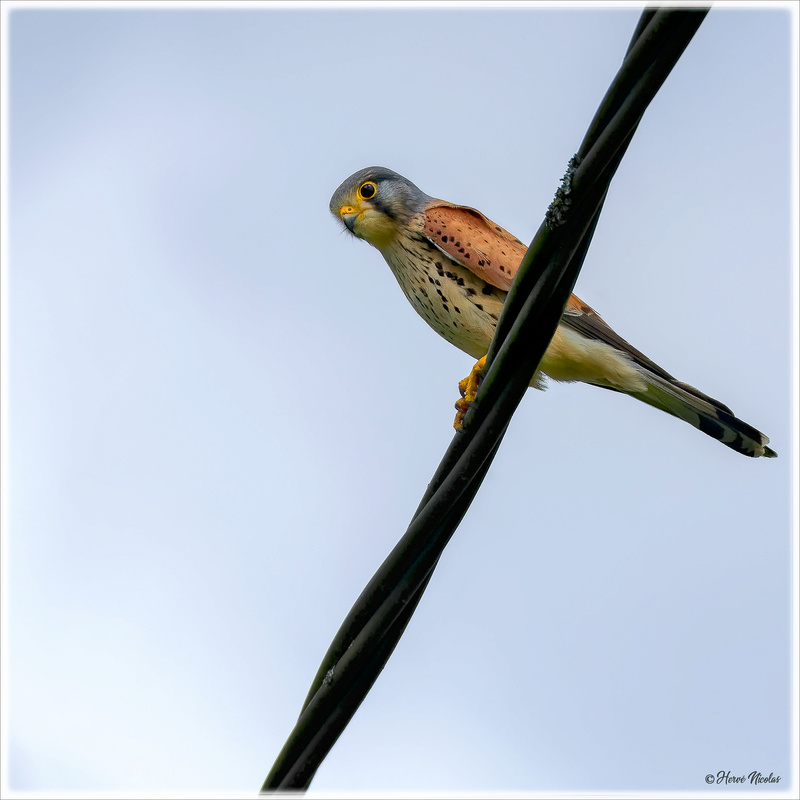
x=531 y=313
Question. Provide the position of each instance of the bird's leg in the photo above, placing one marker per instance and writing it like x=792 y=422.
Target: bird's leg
x=468 y=388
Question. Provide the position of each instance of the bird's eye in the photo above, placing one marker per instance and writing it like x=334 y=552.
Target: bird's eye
x=367 y=190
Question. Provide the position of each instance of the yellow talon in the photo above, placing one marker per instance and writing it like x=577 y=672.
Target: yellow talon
x=468 y=388
x=462 y=406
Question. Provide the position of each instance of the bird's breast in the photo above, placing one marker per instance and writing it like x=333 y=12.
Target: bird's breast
x=458 y=305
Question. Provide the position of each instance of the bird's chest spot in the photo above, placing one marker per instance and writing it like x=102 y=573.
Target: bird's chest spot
x=456 y=303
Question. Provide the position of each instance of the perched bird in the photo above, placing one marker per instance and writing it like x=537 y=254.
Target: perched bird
x=455 y=266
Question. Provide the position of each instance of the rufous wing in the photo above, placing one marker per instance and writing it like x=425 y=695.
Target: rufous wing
x=482 y=246
x=475 y=242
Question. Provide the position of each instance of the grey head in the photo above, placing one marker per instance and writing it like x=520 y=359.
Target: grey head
x=392 y=195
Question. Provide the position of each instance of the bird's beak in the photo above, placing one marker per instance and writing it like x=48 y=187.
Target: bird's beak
x=349 y=215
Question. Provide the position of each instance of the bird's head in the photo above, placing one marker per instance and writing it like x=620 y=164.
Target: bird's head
x=376 y=203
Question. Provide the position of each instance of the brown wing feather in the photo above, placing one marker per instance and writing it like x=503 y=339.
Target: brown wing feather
x=483 y=247
x=475 y=242
x=493 y=254
x=577 y=306
x=583 y=319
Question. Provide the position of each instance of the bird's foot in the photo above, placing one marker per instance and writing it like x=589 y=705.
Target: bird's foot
x=468 y=388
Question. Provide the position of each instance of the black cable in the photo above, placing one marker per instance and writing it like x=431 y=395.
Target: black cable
x=530 y=315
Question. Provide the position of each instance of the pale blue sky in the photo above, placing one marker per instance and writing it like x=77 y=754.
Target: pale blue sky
x=223 y=412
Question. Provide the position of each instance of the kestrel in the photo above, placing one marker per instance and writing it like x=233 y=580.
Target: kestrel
x=455 y=266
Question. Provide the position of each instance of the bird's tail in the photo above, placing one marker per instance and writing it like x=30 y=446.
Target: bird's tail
x=704 y=413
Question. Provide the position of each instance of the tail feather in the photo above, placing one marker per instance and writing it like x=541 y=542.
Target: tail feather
x=704 y=413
